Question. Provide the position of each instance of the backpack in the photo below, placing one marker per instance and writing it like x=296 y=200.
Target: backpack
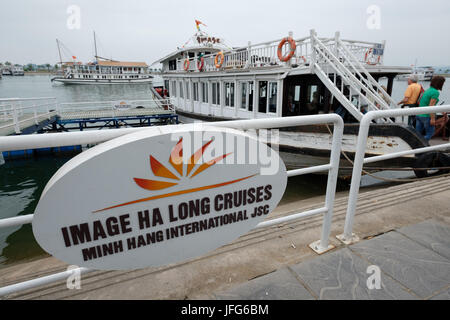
x=422 y=90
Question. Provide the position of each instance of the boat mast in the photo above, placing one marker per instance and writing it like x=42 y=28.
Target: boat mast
x=59 y=51
x=95 y=46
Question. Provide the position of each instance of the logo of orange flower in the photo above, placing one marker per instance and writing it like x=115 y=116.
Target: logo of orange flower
x=176 y=161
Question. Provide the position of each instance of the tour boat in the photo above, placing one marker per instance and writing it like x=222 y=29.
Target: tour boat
x=17 y=71
x=210 y=81
x=103 y=71
x=422 y=73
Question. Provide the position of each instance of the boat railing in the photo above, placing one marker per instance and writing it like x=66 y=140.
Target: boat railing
x=17 y=113
x=98 y=136
x=266 y=55
x=347 y=78
x=112 y=108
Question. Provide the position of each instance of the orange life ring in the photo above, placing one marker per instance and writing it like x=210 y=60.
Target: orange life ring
x=367 y=55
x=186 y=65
x=216 y=59
x=291 y=53
x=200 y=64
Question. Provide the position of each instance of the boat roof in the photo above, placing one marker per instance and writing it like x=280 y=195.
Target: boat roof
x=200 y=41
x=121 y=64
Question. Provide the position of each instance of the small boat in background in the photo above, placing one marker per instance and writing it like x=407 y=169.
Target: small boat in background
x=422 y=73
x=17 y=70
x=102 y=71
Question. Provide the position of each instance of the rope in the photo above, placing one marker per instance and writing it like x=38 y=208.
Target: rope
x=390 y=179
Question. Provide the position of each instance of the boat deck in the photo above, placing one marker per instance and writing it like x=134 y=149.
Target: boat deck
x=33 y=122
x=93 y=114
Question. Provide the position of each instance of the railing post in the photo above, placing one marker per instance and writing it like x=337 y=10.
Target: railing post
x=35 y=114
x=15 y=117
x=323 y=245
x=348 y=236
x=249 y=54
x=291 y=35
x=336 y=44
x=313 y=50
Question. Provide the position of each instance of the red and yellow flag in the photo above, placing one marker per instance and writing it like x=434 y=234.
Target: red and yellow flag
x=197 y=22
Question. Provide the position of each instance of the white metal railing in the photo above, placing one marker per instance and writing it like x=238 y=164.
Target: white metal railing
x=15 y=112
x=114 y=106
x=342 y=73
x=359 y=160
x=327 y=210
x=18 y=113
x=265 y=55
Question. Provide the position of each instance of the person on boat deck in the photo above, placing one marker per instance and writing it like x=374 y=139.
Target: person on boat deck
x=430 y=98
x=412 y=94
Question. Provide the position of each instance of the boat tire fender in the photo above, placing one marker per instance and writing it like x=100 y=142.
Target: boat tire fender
x=186 y=65
x=431 y=160
x=292 y=48
x=200 y=64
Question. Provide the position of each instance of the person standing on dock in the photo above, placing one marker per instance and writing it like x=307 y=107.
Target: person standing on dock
x=430 y=98
x=412 y=95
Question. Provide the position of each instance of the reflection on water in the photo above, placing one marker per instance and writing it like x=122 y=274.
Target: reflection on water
x=21 y=185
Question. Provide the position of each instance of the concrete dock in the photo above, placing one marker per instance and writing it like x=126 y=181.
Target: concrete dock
x=404 y=232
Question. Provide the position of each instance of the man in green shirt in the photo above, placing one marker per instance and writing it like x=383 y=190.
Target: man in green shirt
x=426 y=122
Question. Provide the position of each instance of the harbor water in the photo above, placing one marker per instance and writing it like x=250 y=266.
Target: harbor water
x=22 y=181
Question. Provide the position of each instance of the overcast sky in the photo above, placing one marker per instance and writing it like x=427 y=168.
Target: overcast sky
x=146 y=30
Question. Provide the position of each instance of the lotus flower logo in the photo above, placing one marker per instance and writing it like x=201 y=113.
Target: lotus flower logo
x=176 y=162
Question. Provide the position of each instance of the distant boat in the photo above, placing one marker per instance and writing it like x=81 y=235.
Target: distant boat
x=6 y=71
x=423 y=74
x=103 y=71
x=17 y=71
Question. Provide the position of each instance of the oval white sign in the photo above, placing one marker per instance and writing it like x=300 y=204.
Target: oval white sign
x=158 y=196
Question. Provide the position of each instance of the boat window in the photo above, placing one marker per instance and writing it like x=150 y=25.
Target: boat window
x=297 y=93
x=273 y=88
x=205 y=92
x=174 y=88
x=229 y=94
x=312 y=104
x=195 y=94
x=244 y=93
x=188 y=91
x=262 y=105
x=181 y=89
x=250 y=96
x=172 y=65
x=215 y=93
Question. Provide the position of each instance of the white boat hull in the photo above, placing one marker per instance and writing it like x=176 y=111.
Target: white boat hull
x=103 y=81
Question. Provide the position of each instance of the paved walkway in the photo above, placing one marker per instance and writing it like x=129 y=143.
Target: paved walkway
x=413 y=263
x=405 y=231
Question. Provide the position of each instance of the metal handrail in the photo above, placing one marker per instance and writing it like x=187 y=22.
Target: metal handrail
x=360 y=152
x=327 y=210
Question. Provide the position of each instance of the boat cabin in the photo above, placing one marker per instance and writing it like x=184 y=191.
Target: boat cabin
x=285 y=77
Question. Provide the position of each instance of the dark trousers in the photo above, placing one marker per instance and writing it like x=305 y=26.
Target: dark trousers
x=411 y=119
